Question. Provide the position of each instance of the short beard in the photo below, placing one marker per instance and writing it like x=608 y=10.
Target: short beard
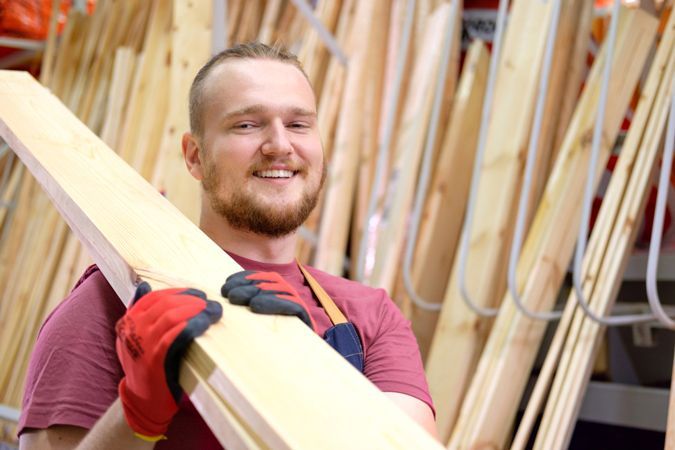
x=243 y=212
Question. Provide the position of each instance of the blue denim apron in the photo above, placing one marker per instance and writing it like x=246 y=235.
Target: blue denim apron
x=342 y=335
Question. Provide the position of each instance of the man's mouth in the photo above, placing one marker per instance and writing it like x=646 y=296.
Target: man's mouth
x=275 y=173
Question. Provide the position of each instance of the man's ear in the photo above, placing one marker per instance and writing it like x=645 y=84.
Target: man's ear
x=192 y=155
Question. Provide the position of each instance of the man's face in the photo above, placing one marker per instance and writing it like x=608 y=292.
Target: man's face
x=262 y=158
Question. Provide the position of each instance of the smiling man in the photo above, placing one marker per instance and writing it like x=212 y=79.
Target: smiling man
x=112 y=380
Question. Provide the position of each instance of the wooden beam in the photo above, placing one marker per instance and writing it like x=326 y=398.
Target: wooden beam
x=343 y=163
x=254 y=363
x=488 y=411
x=599 y=245
x=634 y=173
x=190 y=49
x=407 y=155
x=443 y=214
x=460 y=334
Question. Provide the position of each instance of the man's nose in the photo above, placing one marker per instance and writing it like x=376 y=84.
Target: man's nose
x=276 y=140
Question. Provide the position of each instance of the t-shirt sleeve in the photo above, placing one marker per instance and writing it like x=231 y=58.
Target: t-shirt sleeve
x=73 y=372
x=392 y=357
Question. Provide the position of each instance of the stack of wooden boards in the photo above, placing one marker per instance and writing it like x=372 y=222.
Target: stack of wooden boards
x=118 y=84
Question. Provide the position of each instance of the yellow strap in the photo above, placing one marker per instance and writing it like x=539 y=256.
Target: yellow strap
x=161 y=437
x=328 y=304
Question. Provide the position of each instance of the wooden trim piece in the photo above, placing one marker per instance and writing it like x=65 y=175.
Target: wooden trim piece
x=584 y=336
x=190 y=45
x=599 y=245
x=444 y=210
x=460 y=334
x=343 y=166
x=263 y=366
x=409 y=147
x=146 y=111
x=488 y=411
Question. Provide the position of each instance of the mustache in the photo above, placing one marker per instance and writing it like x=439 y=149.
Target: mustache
x=269 y=163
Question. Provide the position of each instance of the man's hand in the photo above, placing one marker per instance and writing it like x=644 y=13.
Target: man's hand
x=151 y=339
x=266 y=293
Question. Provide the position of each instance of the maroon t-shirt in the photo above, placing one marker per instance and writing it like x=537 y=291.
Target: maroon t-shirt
x=74 y=372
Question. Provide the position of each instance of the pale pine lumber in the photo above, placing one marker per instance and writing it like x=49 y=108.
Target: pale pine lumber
x=408 y=151
x=599 y=246
x=268 y=21
x=47 y=65
x=314 y=54
x=329 y=102
x=86 y=54
x=372 y=111
x=343 y=163
x=118 y=95
x=575 y=74
x=260 y=383
x=488 y=410
x=444 y=209
x=11 y=188
x=190 y=49
x=146 y=111
x=248 y=22
x=567 y=27
x=584 y=337
x=460 y=334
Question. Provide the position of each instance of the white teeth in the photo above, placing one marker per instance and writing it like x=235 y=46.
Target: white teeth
x=274 y=173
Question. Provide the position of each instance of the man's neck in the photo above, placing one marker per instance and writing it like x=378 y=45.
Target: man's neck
x=250 y=245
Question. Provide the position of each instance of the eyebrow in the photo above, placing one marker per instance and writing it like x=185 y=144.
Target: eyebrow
x=257 y=109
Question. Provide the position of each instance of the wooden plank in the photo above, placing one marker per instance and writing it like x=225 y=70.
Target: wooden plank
x=443 y=214
x=268 y=21
x=575 y=74
x=584 y=336
x=460 y=332
x=190 y=49
x=314 y=54
x=599 y=244
x=343 y=163
x=329 y=102
x=488 y=410
x=562 y=53
x=141 y=134
x=410 y=143
x=47 y=66
x=118 y=95
x=45 y=134
x=371 y=105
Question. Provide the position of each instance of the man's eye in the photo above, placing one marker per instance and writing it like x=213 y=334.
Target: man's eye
x=298 y=125
x=244 y=126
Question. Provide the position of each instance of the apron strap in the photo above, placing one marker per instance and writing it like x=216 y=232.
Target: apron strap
x=328 y=304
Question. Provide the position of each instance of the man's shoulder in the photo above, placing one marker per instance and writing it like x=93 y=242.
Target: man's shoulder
x=92 y=297
x=337 y=286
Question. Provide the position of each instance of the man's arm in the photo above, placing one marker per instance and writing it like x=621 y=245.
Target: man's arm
x=111 y=431
x=419 y=411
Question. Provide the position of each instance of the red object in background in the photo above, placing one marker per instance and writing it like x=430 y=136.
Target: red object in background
x=29 y=19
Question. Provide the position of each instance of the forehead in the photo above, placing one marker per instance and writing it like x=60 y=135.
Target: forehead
x=240 y=83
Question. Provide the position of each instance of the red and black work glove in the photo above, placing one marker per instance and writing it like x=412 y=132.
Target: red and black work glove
x=266 y=293
x=151 y=339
